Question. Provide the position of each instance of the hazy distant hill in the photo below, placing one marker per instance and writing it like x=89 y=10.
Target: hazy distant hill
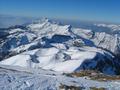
x=8 y=20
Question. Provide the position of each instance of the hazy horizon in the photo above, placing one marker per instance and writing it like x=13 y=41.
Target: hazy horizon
x=86 y=10
x=11 y=20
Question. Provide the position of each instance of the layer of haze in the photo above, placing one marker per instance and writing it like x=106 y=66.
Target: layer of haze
x=90 y=10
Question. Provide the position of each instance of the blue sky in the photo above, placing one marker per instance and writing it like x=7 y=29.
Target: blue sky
x=91 y=10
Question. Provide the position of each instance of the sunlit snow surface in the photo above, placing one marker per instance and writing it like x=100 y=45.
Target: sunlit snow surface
x=17 y=78
x=51 y=58
x=37 y=54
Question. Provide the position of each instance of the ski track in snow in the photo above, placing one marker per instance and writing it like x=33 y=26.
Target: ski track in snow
x=39 y=79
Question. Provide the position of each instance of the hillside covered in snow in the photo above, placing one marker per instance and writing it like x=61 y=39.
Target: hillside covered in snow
x=48 y=45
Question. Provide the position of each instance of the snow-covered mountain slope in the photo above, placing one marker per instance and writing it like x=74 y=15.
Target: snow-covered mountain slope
x=110 y=42
x=114 y=29
x=48 y=45
x=17 y=78
x=70 y=60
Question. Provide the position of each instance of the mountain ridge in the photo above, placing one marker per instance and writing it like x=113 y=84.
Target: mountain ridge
x=69 y=49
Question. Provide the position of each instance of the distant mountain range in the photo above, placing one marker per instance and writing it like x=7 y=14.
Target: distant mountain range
x=9 y=20
x=55 y=46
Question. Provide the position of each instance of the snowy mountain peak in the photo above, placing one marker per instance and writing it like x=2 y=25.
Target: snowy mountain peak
x=42 y=20
x=63 y=48
x=113 y=28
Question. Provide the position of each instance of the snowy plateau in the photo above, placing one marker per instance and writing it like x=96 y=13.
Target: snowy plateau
x=40 y=55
